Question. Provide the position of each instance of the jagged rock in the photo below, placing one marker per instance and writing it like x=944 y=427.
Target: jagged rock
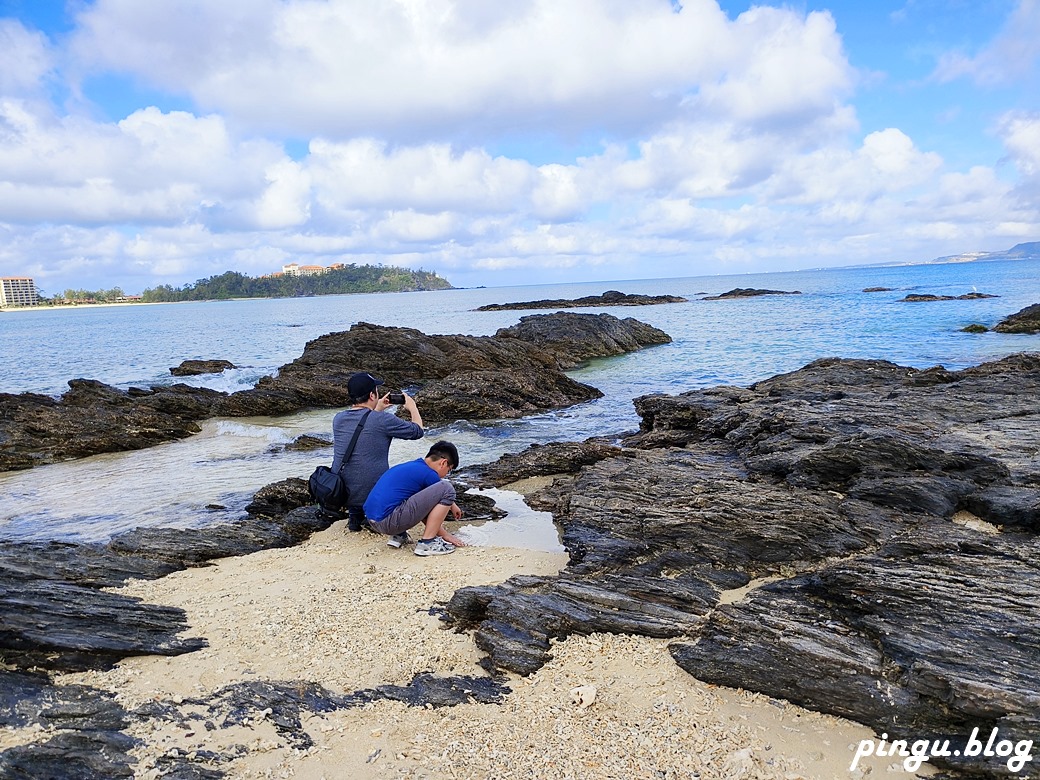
x=877 y=289
x=748 y=292
x=196 y=367
x=576 y=338
x=278 y=498
x=92 y=418
x=974 y=328
x=609 y=298
x=59 y=625
x=1025 y=321
x=933 y=635
x=71 y=755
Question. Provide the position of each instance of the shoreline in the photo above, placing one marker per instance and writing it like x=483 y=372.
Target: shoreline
x=346 y=612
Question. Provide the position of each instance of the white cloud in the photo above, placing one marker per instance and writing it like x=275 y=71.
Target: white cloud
x=25 y=59
x=1021 y=136
x=409 y=68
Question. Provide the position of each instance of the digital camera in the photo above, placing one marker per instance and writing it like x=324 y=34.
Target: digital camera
x=395 y=398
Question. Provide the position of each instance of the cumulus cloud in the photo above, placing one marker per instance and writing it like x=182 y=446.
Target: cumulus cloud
x=347 y=68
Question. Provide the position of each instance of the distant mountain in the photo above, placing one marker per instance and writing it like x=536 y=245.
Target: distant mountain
x=1027 y=251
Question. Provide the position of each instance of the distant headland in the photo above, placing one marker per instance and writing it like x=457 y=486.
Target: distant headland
x=293 y=282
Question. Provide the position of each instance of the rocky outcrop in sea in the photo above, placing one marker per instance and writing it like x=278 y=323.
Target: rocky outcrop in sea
x=1025 y=321
x=609 y=298
x=748 y=292
x=197 y=367
x=518 y=371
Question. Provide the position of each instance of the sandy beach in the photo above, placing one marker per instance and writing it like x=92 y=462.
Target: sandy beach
x=346 y=612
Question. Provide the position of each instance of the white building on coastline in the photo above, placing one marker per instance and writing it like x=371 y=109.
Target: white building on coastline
x=17 y=291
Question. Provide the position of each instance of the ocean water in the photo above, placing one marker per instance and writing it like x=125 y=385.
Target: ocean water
x=714 y=342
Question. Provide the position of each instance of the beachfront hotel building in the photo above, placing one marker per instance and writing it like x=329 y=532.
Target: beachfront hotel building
x=17 y=291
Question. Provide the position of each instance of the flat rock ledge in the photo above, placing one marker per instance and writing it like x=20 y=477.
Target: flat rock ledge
x=857 y=537
x=925 y=298
x=516 y=372
x=609 y=298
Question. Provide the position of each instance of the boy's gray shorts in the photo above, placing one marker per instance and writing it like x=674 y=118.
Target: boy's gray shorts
x=414 y=510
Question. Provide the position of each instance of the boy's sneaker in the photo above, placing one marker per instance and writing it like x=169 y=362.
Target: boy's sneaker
x=435 y=546
x=398 y=540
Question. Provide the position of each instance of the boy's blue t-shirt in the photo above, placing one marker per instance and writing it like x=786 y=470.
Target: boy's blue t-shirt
x=397 y=485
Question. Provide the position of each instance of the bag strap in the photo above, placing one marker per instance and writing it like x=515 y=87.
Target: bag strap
x=354 y=438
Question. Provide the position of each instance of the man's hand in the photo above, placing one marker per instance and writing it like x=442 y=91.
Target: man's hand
x=382 y=403
x=456 y=512
x=413 y=410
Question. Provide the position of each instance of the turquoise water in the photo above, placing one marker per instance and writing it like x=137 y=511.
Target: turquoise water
x=714 y=342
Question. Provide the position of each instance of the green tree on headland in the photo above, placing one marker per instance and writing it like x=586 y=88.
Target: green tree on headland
x=348 y=279
x=91 y=296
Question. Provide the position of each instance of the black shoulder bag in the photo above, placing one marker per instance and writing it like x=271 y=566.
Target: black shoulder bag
x=327 y=487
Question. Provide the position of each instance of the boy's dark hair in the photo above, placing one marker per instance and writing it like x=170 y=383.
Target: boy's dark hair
x=444 y=449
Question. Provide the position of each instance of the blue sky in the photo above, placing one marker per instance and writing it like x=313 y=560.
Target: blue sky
x=535 y=141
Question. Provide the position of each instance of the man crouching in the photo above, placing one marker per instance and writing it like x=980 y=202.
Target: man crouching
x=414 y=492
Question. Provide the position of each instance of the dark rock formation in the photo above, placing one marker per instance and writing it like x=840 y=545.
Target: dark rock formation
x=877 y=289
x=196 y=367
x=975 y=328
x=837 y=484
x=609 y=298
x=972 y=296
x=748 y=292
x=453 y=377
x=1025 y=321
x=516 y=372
x=92 y=418
x=931 y=636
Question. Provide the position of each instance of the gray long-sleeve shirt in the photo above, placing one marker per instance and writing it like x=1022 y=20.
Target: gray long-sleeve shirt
x=371 y=456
